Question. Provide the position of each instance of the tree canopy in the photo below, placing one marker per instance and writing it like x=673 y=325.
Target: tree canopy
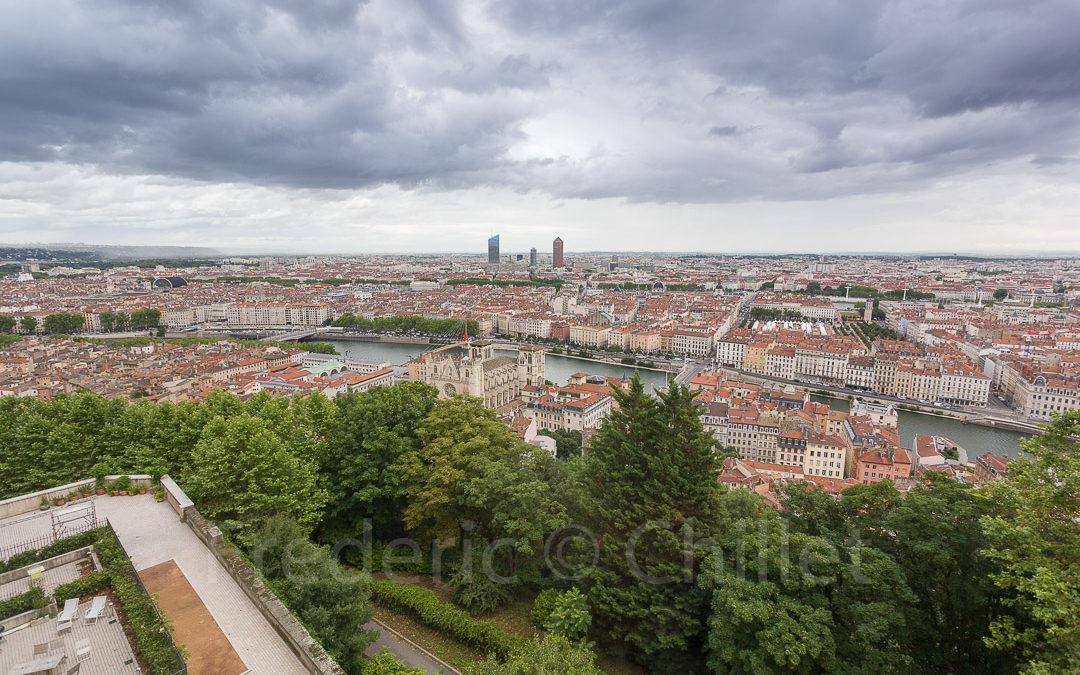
x=1033 y=533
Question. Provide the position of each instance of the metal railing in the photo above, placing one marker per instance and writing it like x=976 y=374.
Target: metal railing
x=10 y=550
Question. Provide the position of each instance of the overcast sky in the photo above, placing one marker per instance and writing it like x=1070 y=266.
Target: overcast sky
x=398 y=125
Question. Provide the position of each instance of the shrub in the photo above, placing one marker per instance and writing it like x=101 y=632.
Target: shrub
x=427 y=608
x=476 y=589
x=550 y=655
x=543 y=606
x=23 y=602
x=570 y=617
x=479 y=594
x=385 y=663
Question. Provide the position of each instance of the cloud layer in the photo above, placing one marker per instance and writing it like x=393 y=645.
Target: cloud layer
x=500 y=107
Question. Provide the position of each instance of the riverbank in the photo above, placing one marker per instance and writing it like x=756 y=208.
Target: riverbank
x=361 y=337
x=960 y=419
x=566 y=355
x=411 y=340
x=1029 y=428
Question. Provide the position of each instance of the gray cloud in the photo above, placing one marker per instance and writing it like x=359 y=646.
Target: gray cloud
x=727 y=130
x=576 y=98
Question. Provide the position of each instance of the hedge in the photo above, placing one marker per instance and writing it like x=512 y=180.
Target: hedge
x=427 y=608
x=82 y=587
x=23 y=602
x=149 y=629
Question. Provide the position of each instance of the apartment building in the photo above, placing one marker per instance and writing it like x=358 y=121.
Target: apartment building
x=554 y=411
x=963 y=385
x=754 y=433
x=825 y=456
x=876 y=465
x=730 y=351
x=590 y=336
x=696 y=342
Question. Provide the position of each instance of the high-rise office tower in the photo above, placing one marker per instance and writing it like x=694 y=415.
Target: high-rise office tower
x=532 y=257
x=556 y=252
x=493 y=250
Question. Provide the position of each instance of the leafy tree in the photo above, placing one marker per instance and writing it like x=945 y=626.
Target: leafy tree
x=933 y=534
x=7 y=324
x=9 y=339
x=791 y=602
x=550 y=655
x=333 y=602
x=28 y=324
x=360 y=470
x=520 y=497
x=812 y=511
x=651 y=475
x=63 y=323
x=242 y=474
x=570 y=616
x=1034 y=534
x=456 y=433
x=1001 y=294
x=145 y=318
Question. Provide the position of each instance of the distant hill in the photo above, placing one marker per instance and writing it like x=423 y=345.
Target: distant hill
x=92 y=252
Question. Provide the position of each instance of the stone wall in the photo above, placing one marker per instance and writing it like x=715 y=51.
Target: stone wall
x=32 y=502
x=306 y=648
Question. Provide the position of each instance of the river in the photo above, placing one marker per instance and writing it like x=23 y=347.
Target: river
x=974 y=438
x=558 y=368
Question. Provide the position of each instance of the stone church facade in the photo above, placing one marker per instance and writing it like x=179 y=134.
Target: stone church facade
x=497 y=380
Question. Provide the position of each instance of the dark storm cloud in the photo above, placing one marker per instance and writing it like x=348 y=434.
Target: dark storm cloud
x=574 y=97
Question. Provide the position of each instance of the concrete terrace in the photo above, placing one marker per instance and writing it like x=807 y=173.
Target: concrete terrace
x=152 y=533
x=51 y=578
x=110 y=652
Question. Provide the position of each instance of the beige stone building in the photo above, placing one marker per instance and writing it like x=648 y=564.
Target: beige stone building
x=497 y=380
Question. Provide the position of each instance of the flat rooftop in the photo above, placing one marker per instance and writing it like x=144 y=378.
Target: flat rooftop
x=152 y=533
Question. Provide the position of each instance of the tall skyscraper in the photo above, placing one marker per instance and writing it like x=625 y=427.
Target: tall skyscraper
x=532 y=257
x=493 y=250
x=556 y=252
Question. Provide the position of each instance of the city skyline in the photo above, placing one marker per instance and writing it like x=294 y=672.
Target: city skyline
x=401 y=128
